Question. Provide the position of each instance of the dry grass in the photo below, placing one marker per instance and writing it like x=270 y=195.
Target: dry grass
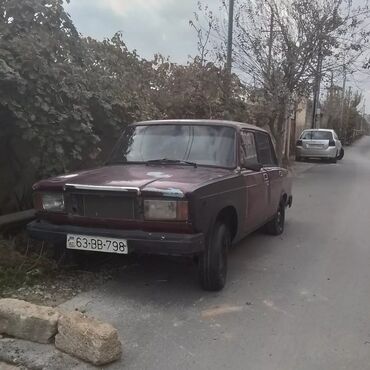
x=22 y=263
x=28 y=271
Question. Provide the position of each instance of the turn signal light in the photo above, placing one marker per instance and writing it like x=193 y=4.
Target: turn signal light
x=182 y=210
x=37 y=201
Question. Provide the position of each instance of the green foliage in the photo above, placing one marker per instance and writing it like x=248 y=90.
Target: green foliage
x=64 y=99
x=21 y=266
x=45 y=123
x=195 y=91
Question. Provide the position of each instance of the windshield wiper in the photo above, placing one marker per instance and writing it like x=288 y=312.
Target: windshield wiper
x=170 y=161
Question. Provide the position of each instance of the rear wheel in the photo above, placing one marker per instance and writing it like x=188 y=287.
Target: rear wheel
x=276 y=225
x=213 y=261
x=341 y=154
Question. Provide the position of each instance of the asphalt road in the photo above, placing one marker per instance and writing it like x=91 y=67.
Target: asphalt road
x=296 y=302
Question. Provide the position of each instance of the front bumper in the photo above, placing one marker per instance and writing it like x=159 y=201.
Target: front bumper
x=330 y=152
x=141 y=242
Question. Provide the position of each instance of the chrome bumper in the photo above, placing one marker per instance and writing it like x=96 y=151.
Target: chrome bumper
x=330 y=152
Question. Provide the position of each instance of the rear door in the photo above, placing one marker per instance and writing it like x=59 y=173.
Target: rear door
x=256 y=183
x=267 y=157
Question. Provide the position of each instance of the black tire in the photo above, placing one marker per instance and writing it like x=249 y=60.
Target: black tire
x=298 y=158
x=276 y=225
x=341 y=154
x=333 y=160
x=213 y=261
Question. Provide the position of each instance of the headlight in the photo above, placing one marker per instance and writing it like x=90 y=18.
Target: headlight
x=166 y=210
x=53 y=202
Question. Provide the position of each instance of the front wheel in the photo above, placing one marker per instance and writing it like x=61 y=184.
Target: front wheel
x=213 y=261
x=276 y=225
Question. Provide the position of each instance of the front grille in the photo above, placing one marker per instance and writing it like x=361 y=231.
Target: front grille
x=100 y=205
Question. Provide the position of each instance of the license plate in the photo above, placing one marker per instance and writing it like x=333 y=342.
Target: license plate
x=97 y=244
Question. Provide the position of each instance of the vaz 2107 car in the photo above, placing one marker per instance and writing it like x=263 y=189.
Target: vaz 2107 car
x=179 y=187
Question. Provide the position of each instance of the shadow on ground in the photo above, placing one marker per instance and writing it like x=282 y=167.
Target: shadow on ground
x=165 y=281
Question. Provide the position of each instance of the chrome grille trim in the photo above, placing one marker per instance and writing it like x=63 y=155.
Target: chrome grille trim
x=102 y=188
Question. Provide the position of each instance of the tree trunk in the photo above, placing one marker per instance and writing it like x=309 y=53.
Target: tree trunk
x=279 y=148
x=277 y=128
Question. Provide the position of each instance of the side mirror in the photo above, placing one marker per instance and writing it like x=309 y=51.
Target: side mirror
x=253 y=166
x=256 y=167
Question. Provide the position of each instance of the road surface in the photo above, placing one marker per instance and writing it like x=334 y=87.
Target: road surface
x=296 y=302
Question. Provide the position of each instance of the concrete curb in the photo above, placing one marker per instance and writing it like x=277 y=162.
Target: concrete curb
x=88 y=339
x=24 y=320
x=72 y=332
x=5 y=366
x=31 y=355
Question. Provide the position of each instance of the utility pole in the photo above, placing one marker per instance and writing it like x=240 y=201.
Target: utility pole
x=331 y=86
x=230 y=38
x=342 y=107
x=363 y=117
x=271 y=41
x=316 y=94
x=228 y=89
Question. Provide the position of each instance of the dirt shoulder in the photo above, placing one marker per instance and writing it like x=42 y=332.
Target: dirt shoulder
x=28 y=271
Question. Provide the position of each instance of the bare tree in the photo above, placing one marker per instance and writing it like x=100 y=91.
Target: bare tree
x=203 y=32
x=284 y=48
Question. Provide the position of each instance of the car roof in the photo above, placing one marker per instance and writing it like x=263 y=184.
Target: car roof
x=201 y=122
x=319 y=129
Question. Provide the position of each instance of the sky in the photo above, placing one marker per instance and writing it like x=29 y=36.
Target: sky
x=159 y=26
x=149 y=26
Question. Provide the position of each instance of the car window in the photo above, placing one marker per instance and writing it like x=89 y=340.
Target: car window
x=265 y=150
x=212 y=145
x=248 y=152
x=204 y=145
x=317 y=135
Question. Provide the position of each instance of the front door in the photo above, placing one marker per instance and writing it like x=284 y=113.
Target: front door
x=267 y=157
x=256 y=183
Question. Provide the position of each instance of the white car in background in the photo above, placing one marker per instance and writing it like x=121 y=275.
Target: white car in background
x=319 y=143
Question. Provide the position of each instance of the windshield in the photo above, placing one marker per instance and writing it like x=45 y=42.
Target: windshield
x=203 y=145
x=317 y=135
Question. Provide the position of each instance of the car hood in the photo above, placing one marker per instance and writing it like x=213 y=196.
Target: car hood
x=169 y=180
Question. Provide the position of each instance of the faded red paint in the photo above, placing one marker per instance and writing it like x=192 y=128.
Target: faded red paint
x=146 y=178
x=253 y=195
